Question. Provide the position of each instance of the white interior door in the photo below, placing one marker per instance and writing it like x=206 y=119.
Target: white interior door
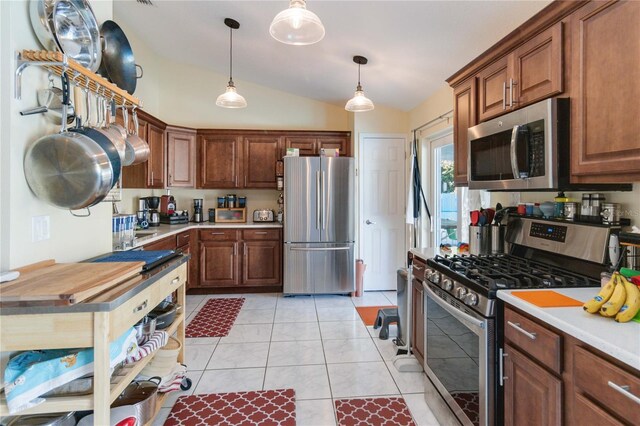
x=382 y=205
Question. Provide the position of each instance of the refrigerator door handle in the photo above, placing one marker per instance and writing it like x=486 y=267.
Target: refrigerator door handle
x=324 y=200
x=318 y=197
x=319 y=248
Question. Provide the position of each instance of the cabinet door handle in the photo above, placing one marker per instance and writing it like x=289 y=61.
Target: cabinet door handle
x=511 y=84
x=176 y=280
x=245 y=181
x=236 y=181
x=417 y=268
x=217 y=233
x=516 y=325
x=261 y=232
x=151 y=182
x=244 y=248
x=170 y=179
x=504 y=95
x=625 y=391
x=140 y=306
x=235 y=249
x=501 y=376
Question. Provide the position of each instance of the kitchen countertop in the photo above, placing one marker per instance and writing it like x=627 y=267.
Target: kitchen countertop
x=164 y=230
x=621 y=341
x=425 y=253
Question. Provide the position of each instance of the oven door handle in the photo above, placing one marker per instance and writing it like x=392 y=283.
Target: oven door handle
x=453 y=311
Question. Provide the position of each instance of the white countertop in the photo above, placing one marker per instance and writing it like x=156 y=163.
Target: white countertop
x=621 y=341
x=164 y=230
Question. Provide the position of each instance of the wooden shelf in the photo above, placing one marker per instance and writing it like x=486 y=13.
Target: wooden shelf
x=58 y=63
x=85 y=402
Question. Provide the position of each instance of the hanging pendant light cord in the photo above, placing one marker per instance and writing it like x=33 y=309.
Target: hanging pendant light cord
x=359 y=86
x=230 y=56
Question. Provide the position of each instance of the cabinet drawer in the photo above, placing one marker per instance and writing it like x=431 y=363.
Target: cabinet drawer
x=183 y=239
x=539 y=342
x=261 y=234
x=606 y=383
x=141 y=304
x=587 y=413
x=218 y=235
x=419 y=268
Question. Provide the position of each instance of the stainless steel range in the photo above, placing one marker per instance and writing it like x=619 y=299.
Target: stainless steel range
x=460 y=299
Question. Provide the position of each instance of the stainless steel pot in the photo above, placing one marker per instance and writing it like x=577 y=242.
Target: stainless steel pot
x=145 y=328
x=137 y=150
x=165 y=314
x=68 y=169
x=142 y=395
x=50 y=103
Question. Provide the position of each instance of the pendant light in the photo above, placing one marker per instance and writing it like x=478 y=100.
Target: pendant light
x=297 y=25
x=359 y=102
x=231 y=98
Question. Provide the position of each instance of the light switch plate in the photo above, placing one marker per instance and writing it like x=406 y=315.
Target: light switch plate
x=40 y=228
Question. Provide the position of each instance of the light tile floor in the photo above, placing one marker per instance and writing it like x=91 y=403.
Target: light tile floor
x=315 y=345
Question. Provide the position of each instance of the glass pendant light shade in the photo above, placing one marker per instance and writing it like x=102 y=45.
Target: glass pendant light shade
x=297 y=25
x=359 y=102
x=231 y=98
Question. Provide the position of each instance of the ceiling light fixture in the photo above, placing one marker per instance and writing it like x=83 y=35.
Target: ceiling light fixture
x=230 y=98
x=297 y=25
x=359 y=102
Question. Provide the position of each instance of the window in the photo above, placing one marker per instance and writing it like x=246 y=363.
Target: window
x=445 y=200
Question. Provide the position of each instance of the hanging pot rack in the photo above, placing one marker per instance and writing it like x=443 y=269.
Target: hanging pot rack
x=58 y=63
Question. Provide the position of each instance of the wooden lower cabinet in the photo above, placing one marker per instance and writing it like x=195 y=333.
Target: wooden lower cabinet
x=168 y=243
x=233 y=259
x=577 y=390
x=532 y=395
x=417 y=320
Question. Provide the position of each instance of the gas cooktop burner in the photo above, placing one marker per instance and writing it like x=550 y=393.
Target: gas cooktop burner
x=496 y=272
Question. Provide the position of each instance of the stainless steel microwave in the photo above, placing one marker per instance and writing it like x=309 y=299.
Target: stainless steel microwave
x=524 y=150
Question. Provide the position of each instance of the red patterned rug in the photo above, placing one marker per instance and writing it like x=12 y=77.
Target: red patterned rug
x=470 y=404
x=373 y=412
x=263 y=408
x=215 y=319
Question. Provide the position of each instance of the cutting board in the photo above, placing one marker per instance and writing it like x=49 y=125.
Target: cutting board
x=66 y=283
x=547 y=299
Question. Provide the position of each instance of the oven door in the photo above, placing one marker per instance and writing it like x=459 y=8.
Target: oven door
x=460 y=356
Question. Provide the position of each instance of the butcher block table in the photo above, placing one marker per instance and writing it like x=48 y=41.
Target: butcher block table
x=93 y=323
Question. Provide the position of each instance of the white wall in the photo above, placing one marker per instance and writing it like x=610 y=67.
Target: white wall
x=72 y=238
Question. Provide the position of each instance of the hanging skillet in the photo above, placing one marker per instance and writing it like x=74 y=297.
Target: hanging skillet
x=69 y=170
x=118 y=63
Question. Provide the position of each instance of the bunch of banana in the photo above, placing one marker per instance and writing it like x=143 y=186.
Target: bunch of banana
x=618 y=298
x=632 y=302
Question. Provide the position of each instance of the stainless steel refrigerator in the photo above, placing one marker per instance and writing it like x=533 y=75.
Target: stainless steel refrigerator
x=319 y=225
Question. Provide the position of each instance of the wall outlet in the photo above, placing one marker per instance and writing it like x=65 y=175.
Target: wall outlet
x=39 y=228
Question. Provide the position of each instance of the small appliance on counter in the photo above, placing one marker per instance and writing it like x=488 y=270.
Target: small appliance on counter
x=197 y=210
x=168 y=211
x=142 y=215
x=167 y=205
x=154 y=216
x=235 y=214
x=263 y=215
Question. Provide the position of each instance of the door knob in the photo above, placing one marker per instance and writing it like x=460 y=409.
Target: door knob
x=368 y=222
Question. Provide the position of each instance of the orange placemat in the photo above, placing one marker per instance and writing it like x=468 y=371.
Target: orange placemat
x=370 y=313
x=547 y=299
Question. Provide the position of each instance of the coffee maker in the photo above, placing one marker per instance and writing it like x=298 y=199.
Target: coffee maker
x=197 y=210
x=142 y=215
x=154 y=216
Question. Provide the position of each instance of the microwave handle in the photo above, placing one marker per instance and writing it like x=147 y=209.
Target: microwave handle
x=514 y=152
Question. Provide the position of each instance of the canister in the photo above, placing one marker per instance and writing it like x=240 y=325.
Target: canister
x=571 y=211
x=242 y=202
x=231 y=201
x=610 y=213
x=497 y=239
x=222 y=202
x=479 y=239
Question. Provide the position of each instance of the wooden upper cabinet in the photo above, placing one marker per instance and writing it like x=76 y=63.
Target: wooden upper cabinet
x=311 y=143
x=181 y=158
x=537 y=67
x=308 y=146
x=156 y=161
x=151 y=173
x=220 y=161
x=605 y=107
x=493 y=89
x=532 y=72
x=260 y=156
x=464 y=116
